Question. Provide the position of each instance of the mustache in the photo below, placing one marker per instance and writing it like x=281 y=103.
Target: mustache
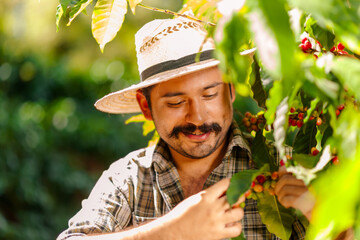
x=190 y=128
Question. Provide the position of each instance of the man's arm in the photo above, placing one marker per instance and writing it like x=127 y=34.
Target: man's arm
x=206 y=215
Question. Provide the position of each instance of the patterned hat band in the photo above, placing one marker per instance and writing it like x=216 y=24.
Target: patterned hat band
x=174 y=64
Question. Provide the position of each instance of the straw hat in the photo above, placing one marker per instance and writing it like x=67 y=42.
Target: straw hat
x=166 y=49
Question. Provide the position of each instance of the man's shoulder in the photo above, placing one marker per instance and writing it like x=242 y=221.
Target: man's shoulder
x=141 y=158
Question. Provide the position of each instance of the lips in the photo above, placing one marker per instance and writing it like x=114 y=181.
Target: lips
x=197 y=136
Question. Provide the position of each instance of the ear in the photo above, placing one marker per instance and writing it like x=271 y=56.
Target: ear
x=143 y=104
x=232 y=91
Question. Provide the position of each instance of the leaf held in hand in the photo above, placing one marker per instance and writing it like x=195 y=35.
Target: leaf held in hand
x=276 y=217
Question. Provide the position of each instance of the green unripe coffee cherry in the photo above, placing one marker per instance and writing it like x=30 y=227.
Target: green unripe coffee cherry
x=267 y=185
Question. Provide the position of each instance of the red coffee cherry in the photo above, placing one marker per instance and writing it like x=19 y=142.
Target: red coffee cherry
x=300 y=123
x=314 y=151
x=275 y=175
x=301 y=115
x=248 y=115
x=261 y=179
x=340 y=47
x=282 y=163
x=318 y=121
x=335 y=160
x=307 y=45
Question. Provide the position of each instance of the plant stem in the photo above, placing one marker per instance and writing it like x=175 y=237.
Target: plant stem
x=176 y=14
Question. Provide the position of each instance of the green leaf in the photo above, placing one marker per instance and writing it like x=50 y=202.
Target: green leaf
x=357 y=223
x=313 y=104
x=260 y=152
x=327 y=224
x=133 y=4
x=275 y=40
x=77 y=9
x=339 y=16
x=239 y=184
x=59 y=14
x=348 y=72
x=318 y=82
x=148 y=127
x=155 y=138
x=240 y=237
x=325 y=37
x=306 y=160
x=305 y=138
x=64 y=4
x=107 y=19
x=136 y=118
x=236 y=67
x=277 y=218
x=276 y=95
x=256 y=85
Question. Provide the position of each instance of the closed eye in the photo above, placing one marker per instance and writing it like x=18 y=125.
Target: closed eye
x=174 y=104
x=210 y=96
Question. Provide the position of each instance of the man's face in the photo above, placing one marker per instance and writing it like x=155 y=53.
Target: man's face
x=193 y=113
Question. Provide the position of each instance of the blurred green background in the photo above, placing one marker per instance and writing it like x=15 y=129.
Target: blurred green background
x=53 y=143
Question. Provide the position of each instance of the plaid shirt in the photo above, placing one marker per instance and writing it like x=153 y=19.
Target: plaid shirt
x=146 y=185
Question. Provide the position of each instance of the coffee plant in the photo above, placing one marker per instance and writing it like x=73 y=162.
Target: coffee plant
x=305 y=78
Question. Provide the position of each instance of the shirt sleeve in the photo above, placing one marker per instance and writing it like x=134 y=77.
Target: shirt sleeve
x=298 y=230
x=108 y=207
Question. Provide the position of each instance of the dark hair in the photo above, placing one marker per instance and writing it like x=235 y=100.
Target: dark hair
x=146 y=91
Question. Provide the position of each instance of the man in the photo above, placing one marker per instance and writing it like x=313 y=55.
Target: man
x=176 y=189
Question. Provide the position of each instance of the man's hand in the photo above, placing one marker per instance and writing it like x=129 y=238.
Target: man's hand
x=207 y=215
x=292 y=192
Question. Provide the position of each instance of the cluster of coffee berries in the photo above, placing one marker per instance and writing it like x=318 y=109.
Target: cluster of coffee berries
x=296 y=117
x=339 y=50
x=263 y=182
x=334 y=159
x=339 y=109
x=254 y=122
x=306 y=45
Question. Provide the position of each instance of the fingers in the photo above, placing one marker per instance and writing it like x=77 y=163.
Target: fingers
x=224 y=203
x=234 y=215
x=283 y=171
x=289 y=195
x=233 y=230
x=287 y=179
x=292 y=192
x=218 y=189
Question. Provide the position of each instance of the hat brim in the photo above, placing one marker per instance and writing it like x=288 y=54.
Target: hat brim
x=124 y=101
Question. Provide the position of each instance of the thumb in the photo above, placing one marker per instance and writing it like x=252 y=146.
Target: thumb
x=219 y=188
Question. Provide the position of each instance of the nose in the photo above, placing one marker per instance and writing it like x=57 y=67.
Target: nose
x=197 y=113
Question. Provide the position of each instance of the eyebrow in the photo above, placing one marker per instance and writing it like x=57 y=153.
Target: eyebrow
x=174 y=94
